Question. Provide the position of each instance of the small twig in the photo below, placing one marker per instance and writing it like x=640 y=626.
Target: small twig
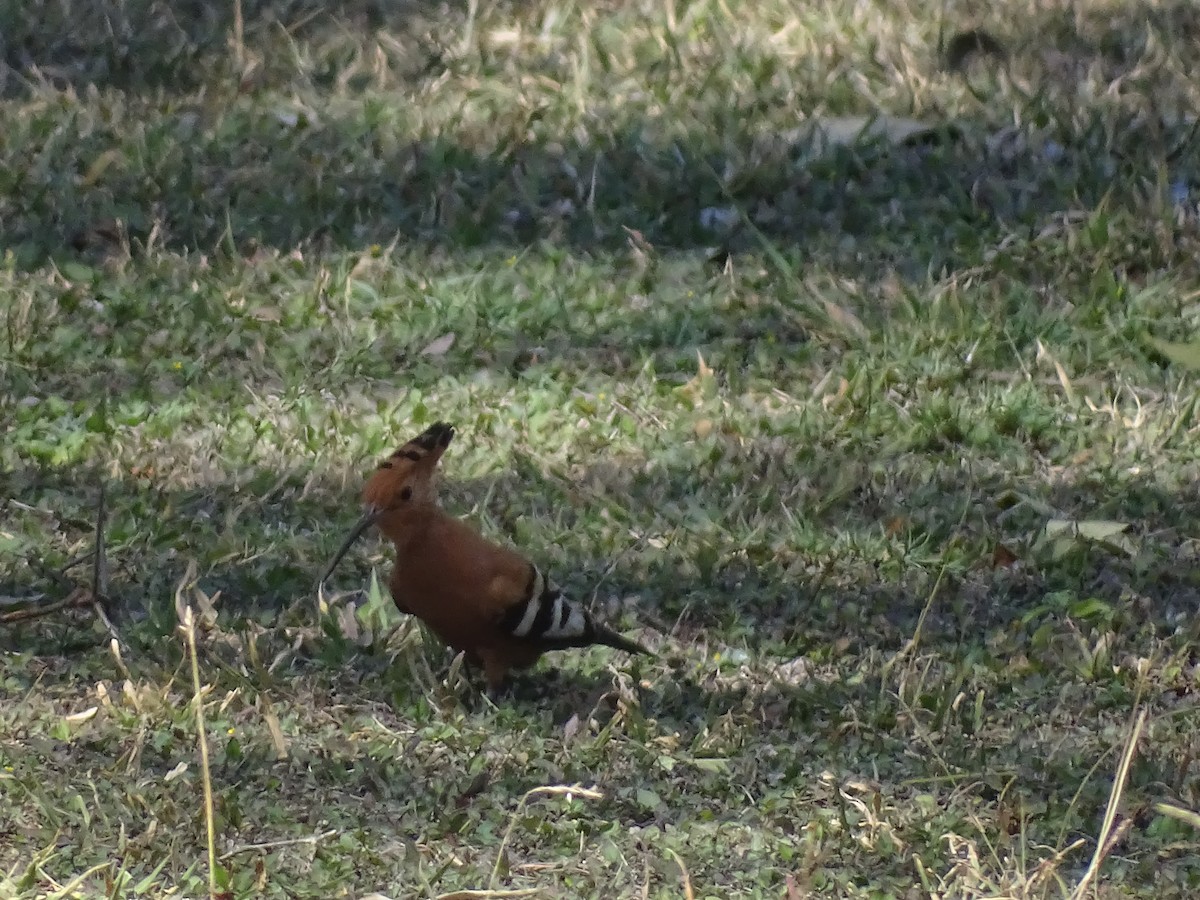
x=99 y=563
x=272 y=845
x=100 y=599
x=76 y=560
x=486 y=894
x=612 y=566
x=25 y=507
x=97 y=597
x=911 y=644
x=1178 y=813
x=71 y=886
x=572 y=790
x=77 y=598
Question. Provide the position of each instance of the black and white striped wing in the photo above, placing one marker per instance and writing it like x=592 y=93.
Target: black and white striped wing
x=547 y=617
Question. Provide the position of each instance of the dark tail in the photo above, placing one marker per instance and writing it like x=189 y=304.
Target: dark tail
x=602 y=634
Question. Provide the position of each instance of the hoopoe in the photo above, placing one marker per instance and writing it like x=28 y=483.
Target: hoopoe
x=477 y=596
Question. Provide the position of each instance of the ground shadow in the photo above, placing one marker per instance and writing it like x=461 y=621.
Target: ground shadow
x=143 y=46
x=724 y=571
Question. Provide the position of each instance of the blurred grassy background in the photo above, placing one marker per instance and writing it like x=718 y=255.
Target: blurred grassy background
x=865 y=436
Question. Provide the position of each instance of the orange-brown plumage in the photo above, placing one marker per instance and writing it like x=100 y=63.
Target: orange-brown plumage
x=477 y=596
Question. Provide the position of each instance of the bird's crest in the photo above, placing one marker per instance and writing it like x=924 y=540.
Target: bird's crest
x=406 y=477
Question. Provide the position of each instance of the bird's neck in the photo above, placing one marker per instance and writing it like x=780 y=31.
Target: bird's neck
x=410 y=528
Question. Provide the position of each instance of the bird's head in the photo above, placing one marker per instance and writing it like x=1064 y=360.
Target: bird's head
x=403 y=487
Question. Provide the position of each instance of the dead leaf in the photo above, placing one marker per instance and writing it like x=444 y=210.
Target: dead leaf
x=1043 y=353
x=844 y=317
x=276 y=732
x=260 y=874
x=1003 y=558
x=266 y=314
x=637 y=241
x=1006 y=820
x=829 y=399
x=571 y=728
x=700 y=387
x=1082 y=456
x=895 y=525
x=98 y=167
x=80 y=717
x=1061 y=535
x=1092 y=529
x=826 y=133
x=439 y=346
x=1186 y=355
x=207 y=607
x=477 y=786
x=347 y=623
x=794 y=671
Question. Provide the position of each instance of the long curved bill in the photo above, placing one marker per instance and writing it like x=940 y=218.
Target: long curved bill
x=368 y=519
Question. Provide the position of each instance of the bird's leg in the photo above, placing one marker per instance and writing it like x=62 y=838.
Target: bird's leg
x=495 y=668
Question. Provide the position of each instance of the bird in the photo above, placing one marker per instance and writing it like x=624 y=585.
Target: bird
x=477 y=596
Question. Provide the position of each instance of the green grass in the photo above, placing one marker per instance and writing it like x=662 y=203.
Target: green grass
x=810 y=458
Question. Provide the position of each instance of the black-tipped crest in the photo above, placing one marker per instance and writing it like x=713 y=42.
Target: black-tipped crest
x=432 y=441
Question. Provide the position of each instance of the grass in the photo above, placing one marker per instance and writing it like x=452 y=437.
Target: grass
x=867 y=440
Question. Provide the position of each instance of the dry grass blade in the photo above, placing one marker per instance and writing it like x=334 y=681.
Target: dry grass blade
x=188 y=625
x=575 y=790
x=312 y=839
x=688 y=893
x=486 y=894
x=1105 y=841
x=239 y=38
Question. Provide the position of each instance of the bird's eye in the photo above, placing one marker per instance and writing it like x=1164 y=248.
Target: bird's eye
x=406 y=494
